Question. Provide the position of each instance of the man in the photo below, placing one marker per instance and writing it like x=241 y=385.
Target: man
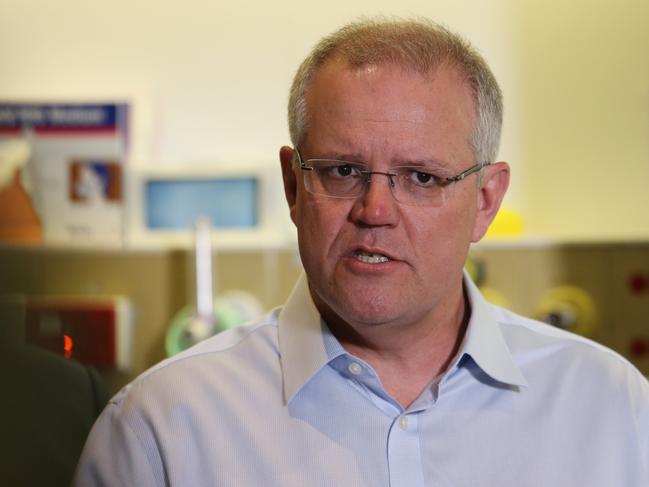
x=385 y=366
x=48 y=406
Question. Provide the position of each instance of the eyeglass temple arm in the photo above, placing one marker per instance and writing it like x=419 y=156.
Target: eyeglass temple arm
x=303 y=166
x=468 y=172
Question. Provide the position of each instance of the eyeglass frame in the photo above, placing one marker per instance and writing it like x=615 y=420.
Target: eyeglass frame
x=368 y=174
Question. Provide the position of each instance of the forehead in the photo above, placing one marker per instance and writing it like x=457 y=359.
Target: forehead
x=386 y=108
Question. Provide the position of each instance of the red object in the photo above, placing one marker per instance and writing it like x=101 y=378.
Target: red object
x=638 y=283
x=84 y=330
x=68 y=344
x=639 y=347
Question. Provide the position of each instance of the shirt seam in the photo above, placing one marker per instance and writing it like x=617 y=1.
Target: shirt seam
x=567 y=337
x=119 y=398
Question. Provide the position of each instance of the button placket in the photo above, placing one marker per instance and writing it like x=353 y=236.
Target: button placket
x=404 y=456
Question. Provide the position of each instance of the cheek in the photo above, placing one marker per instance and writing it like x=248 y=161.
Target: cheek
x=319 y=224
x=443 y=238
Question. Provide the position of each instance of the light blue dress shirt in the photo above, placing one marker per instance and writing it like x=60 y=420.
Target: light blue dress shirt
x=281 y=403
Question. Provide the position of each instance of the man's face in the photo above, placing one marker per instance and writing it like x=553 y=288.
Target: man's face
x=384 y=116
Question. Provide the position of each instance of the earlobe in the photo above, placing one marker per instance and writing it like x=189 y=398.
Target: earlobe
x=494 y=186
x=290 y=181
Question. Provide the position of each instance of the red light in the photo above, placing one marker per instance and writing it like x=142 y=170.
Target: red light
x=67 y=346
x=639 y=283
x=639 y=347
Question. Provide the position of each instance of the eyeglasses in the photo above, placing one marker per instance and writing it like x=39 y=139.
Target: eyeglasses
x=410 y=185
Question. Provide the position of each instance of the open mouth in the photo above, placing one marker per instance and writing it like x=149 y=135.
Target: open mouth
x=370 y=258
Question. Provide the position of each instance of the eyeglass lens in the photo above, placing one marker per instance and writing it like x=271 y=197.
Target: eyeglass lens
x=348 y=180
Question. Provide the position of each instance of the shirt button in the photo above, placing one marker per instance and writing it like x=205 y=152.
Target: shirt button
x=403 y=423
x=355 y=368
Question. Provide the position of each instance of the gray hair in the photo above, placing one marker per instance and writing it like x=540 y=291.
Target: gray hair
x=420 y=45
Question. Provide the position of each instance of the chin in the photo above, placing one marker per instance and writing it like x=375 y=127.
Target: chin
x=366 y=308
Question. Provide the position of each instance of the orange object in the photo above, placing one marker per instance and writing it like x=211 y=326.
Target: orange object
x=68 y=344
x=18 y=221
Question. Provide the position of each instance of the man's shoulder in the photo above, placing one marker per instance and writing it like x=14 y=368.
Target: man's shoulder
x=232 y=355
x=534 y=343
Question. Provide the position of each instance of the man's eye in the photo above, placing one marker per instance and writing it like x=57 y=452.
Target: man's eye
x=340 y=171
x=343 y=170
x=423 y=178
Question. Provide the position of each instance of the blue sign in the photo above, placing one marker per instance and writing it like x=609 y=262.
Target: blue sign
x=65 y=116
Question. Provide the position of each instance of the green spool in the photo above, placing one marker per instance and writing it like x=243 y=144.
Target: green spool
x=225 y=317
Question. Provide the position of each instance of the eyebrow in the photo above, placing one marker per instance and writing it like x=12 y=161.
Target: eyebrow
x=431 y=164
x=337 y=156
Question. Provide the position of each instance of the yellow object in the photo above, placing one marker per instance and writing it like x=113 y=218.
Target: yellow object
x=570 y=308
x=507 y=223
x=475 y=270
x=495 y=297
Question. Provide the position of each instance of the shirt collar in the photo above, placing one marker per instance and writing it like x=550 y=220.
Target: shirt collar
x=301 y=342
x=305 y=342
x=484 y=341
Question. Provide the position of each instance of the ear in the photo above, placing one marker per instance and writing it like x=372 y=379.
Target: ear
x=288 y=175
x=495 y=180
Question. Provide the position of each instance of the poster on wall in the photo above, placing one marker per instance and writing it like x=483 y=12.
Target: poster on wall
x=76 y=169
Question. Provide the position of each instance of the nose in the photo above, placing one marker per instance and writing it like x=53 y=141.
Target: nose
x=376 y=206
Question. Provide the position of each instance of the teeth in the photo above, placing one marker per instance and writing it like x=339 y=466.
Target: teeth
x=371 y=258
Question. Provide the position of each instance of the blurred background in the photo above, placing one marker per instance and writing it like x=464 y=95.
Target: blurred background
x=122 y=122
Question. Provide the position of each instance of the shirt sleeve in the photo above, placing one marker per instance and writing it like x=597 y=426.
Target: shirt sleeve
x=114 y=455
x=641 y=400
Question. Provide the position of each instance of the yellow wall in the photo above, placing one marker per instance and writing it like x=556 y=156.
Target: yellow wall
x=208 y=81
x=584 y=105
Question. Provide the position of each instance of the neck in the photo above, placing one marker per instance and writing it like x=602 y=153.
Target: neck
x=419 y=351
